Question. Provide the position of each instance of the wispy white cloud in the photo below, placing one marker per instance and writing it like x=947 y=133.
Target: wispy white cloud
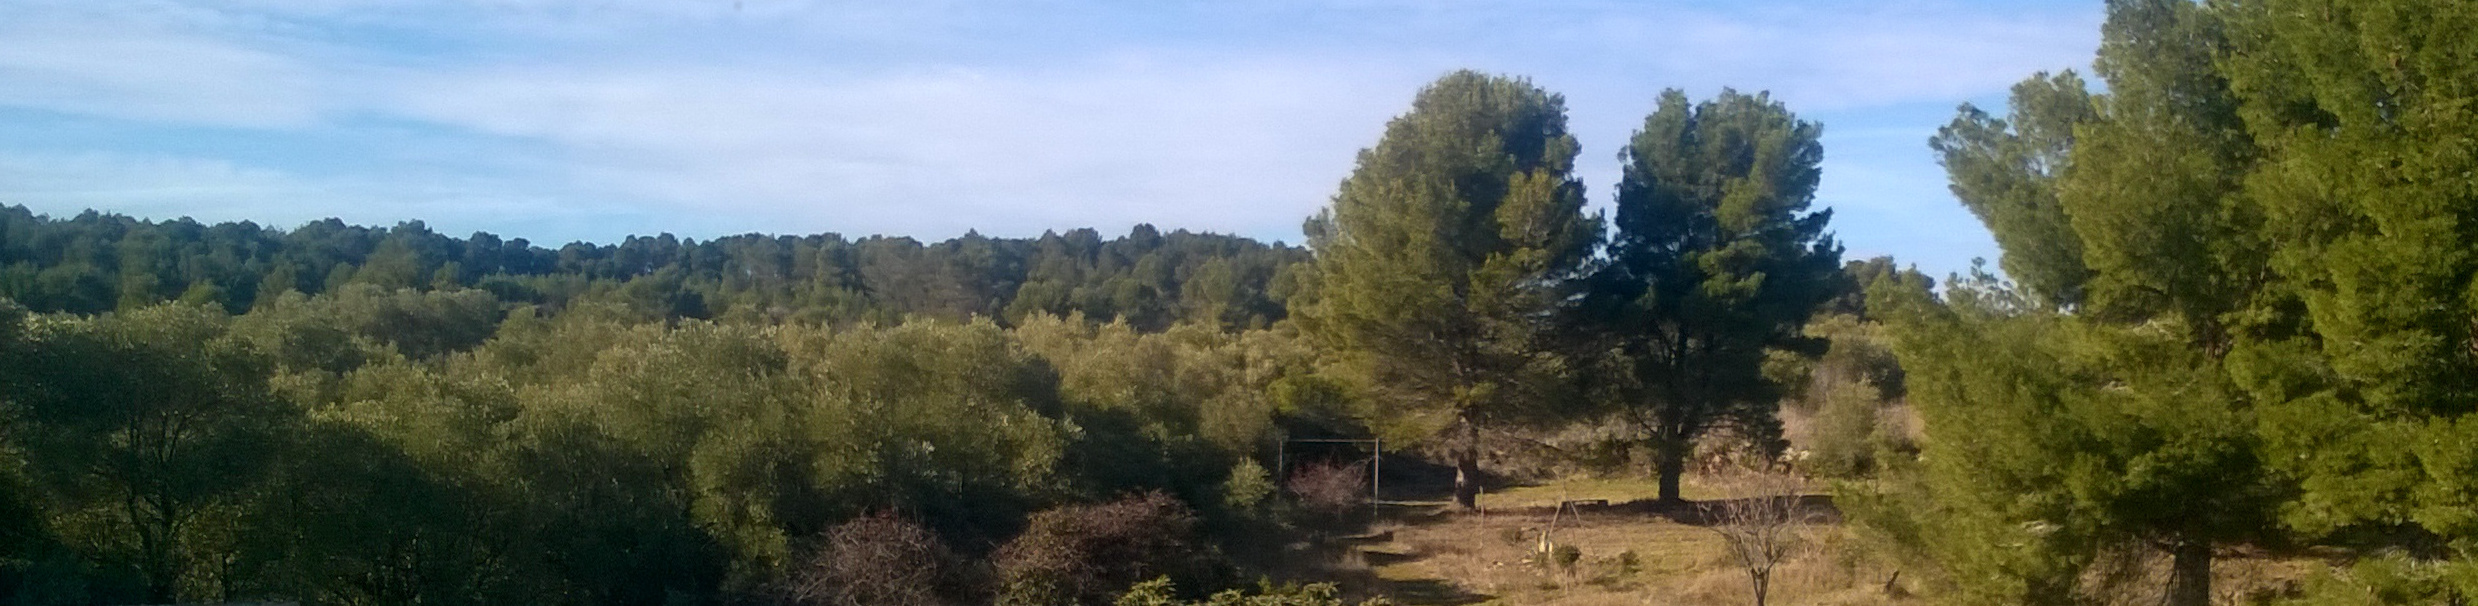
x=1234 y=147
x=929 y=118
x=143 y=72
x=1857 y=57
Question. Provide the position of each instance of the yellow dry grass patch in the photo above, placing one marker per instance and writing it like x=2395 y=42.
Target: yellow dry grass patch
x=1489 y=559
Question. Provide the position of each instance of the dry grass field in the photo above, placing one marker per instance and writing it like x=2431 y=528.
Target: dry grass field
x=1635 y=552
x=1629 y=552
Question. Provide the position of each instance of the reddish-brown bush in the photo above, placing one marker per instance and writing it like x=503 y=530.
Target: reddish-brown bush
x=1331 y=490
x=1085 y=554
x=877 y=560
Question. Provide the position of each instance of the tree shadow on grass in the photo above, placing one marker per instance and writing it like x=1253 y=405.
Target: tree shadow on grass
x=1430 y=592
x=1365 y=582
x=1811 y=508
x=1353 y=562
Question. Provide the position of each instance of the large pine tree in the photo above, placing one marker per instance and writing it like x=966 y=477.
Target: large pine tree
x=2364 y=112
x=1716 y=261
x=2095 y=403
x=1439 y=262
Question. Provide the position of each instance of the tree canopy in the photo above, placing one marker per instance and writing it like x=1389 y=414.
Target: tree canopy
x=1440 y=260
x=2266 y=340
x=1716 y=262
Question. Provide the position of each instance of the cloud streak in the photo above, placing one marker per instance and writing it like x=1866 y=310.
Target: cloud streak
x=930 y=118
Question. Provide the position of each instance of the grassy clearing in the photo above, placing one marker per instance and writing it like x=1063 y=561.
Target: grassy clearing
x=1434 y=556
x=1625 y=560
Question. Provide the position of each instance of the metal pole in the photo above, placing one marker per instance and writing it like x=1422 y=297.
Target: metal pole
x=1281 y=462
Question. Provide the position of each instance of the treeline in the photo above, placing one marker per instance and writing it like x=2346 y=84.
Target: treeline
x=95 y=262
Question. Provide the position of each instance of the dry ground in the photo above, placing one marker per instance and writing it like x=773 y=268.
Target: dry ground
x=1634 y=552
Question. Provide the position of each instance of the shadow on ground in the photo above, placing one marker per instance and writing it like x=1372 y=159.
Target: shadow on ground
x=1360 y=579
x=1427 y=592
x=1812 y=508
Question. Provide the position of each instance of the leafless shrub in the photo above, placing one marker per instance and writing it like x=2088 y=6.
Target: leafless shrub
x=878 y=560
x=1083 y=554
x=1331 y=490
x=1760 y=527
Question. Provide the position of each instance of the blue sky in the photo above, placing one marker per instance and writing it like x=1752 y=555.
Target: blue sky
x=561 y=120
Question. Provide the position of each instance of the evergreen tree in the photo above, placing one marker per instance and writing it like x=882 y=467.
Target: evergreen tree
x=2120 y=413
x=2363 y=112
x=1716 y=261
x=1444 y=252
x=2005 y=172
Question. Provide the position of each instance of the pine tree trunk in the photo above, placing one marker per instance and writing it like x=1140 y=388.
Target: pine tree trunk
x=2189 y=581
x=1670 y=463
x=1467 y=468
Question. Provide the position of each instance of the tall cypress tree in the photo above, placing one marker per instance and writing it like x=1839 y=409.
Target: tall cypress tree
x=1439 y=261
x=1716 y=260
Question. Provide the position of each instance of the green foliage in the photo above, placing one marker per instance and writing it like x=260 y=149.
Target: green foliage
x=1716 y=262
x=1249 y=486
x=2190 y=397
x=1849 y=391
x=2006 y=170
x=1563 y=558
x=1437 y=260
x=580 y=458
x=1988 y=511
x=2389 y=579
x=2154 y=188
x=142 y=435
x=1849 y=429
x=1162 y=592
x=2363 y=111
x=96 y=262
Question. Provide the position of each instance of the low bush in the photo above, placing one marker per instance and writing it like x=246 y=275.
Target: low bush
x=1330 y=492
x=1161 y=592
x=1087 y=554
x=879 y=560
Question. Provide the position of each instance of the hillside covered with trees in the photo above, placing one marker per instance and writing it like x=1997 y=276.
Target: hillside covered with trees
x=2237 y=322
x=95 y=262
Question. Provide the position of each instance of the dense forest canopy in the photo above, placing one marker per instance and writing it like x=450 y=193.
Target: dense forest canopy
x=96 y=262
